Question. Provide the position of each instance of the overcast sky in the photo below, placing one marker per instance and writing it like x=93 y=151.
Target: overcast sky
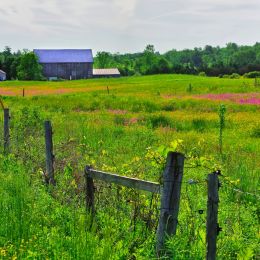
x=127 y=25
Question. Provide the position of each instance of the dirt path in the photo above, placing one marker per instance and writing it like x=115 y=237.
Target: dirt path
x=36 y=91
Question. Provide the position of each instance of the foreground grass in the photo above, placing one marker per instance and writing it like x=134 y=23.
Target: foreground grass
x=34 y=225
x=121 y=132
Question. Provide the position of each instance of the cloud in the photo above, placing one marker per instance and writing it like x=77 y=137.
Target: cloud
x=126 y=7
x=127 y=25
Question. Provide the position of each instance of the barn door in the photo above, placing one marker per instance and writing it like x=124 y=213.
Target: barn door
x=74 y=74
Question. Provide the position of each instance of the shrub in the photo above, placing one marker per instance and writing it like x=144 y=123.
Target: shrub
x=234 y=76
x=225 y=76
x=202 y=74
x=252 y=74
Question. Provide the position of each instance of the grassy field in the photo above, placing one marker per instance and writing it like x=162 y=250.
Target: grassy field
x=128 y=131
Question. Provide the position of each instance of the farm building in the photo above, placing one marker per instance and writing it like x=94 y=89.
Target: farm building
x=106 y=73
x=66 y=63
x=2 y=75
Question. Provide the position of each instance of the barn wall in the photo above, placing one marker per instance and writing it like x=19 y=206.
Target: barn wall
x=67 y=70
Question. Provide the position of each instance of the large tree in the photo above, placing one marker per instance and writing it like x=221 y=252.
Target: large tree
x=103 y=60
x=29 y=67
x=9 y=62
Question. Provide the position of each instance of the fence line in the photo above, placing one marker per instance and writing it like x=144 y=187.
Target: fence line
x=170 y=190
x=123 y=180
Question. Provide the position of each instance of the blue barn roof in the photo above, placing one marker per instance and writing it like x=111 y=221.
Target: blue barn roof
x=64 y=56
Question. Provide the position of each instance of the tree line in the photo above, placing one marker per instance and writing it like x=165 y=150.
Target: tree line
x=22 y=65
x=211 y=61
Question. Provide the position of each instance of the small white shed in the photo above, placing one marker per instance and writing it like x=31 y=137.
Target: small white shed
x=2 y=75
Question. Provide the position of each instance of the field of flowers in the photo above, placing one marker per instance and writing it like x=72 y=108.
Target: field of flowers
x=126 y=126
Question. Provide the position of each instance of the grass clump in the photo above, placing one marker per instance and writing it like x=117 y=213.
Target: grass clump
x=156 y=121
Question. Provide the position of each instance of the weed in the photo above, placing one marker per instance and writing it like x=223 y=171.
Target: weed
x=222 y=112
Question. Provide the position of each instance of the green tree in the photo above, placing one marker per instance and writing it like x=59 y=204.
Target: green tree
x=8 y=62
x=29 y=67
x=103 y=59
x=163 y=66
x=146 y=64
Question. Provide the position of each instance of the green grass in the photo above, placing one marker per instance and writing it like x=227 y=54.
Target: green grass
x=124 y=132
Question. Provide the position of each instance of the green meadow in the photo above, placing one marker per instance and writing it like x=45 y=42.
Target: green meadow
x=126 y=126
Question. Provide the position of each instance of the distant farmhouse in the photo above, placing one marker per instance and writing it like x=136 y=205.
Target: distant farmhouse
x=66 y=64
x=2 y=75
x=106 y=73
x=71 y=64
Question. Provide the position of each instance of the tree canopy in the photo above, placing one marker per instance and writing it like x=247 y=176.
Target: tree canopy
x=214 y=61
x=29 y=67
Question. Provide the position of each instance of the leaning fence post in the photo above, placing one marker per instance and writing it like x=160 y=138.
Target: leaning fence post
x=212 y=216
x=170 y=198
x=6 y=131
x=89 y=191
x=49 y=176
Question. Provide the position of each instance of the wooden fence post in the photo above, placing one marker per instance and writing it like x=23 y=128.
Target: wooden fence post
x=6 y=131
x=23 y=92
x=89 y=191
x=170 y=198
x=49 y=176
x=212 y=216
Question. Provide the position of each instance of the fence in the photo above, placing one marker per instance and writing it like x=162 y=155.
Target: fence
x=169 y=190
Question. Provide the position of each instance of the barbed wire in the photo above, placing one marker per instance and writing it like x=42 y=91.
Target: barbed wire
x=244 y=192
x=237 y=189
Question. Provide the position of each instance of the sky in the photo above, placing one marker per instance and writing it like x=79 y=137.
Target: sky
x=127 y=26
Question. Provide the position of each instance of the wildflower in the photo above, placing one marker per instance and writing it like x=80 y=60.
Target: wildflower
x=3 y=252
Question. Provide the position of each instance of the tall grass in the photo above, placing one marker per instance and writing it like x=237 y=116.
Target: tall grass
x=121 y=133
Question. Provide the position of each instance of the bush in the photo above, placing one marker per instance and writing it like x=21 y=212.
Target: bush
x=234 y=76
x=202 y=74
x=252 y=74
x=225 y=76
